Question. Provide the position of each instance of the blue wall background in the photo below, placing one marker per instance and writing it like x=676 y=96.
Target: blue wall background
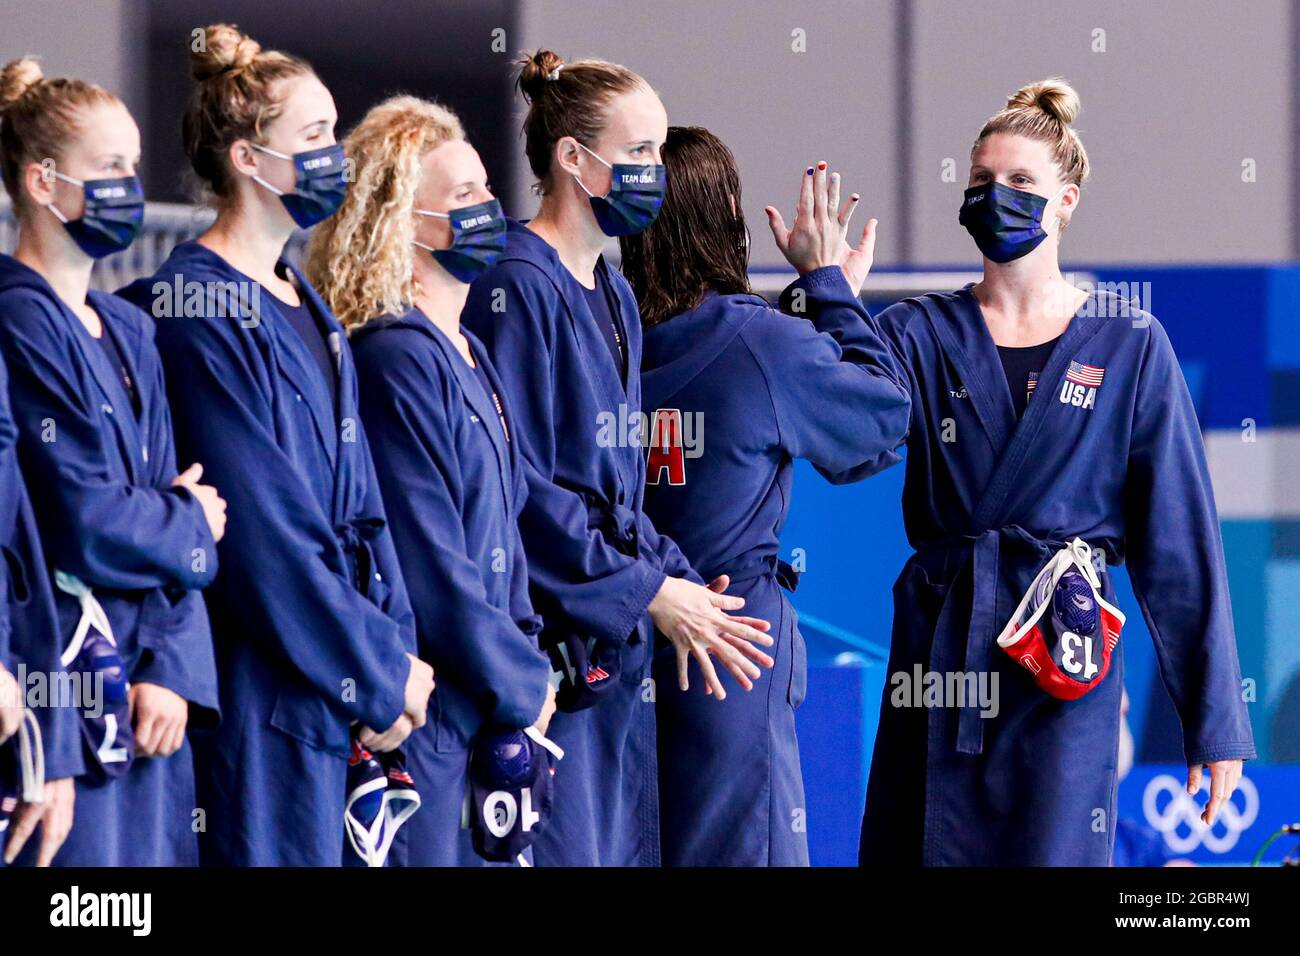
x=1236 y=334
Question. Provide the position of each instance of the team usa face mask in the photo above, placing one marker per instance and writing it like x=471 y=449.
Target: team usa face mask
x=510 y=792
x=319 y=188
x=636 y=194
x=112 y=218
x=1005 y=223
x=1064 y=631
x=478 y=239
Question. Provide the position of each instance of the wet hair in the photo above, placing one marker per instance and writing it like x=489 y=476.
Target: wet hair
x=235 y=95
x=566 y=99
x=38 y=116
x=361 y=257
x=1044 y=111
x=699 y=242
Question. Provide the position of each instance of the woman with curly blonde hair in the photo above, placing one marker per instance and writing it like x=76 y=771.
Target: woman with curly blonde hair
x=418 y=224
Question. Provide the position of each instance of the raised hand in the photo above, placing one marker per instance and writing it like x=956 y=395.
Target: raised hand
x=818 y=236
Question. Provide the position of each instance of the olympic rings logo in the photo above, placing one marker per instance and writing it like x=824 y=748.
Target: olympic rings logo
x=1175 y=813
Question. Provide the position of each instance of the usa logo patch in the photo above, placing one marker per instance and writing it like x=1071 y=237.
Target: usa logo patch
x=1080 y=386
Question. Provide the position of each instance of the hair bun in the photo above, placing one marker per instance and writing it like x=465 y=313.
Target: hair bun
x=222 y=48
x=17 y=78
x=536 y=71
x=1052 y=96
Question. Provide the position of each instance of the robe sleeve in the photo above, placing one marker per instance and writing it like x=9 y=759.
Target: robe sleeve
x=280 y=554
x=396 y=603
x=522 y=611
x=185 y=662
x=30 y=636
x=841 y=399
x=1175 y=557
x=106 y=531
x=461 y=632
x=667 y=555
x=602 y=591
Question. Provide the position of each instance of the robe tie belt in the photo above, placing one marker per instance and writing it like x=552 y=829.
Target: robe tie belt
x=354 y=537
x=985 y=558
x=769 y=564
x=618 y=525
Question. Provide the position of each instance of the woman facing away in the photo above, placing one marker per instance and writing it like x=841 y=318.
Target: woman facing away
x=753 y=389
x=1052 y=434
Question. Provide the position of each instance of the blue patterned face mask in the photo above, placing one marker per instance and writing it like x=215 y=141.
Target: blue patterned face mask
x=112 y=218
x=320 y=185
x=478 y=238
x=636 y=194
x=1005 y=223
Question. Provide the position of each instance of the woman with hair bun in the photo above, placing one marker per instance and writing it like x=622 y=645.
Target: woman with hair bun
x=562 y=329
x=417 y=226
x=129 y=542
x=314 y=634
x=1052 y=434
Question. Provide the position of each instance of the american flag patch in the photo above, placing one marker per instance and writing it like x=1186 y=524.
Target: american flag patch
x=1089 y=375
x=1030 y=384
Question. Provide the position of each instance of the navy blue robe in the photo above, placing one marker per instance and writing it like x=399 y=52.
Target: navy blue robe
x=594 y=560
x=109 y=515
x=737 y=391
x=454 y=486
x=29 y=632
x=987 y=500
x=310 y=616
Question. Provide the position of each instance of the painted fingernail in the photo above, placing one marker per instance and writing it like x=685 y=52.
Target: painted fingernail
x=821 y=165
x=855 y=197
x=810 y=170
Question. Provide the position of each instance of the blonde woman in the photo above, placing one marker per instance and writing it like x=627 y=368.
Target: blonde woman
x=1043 y=416
x=131 y=540
x=418 y=224
x=313 y=631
